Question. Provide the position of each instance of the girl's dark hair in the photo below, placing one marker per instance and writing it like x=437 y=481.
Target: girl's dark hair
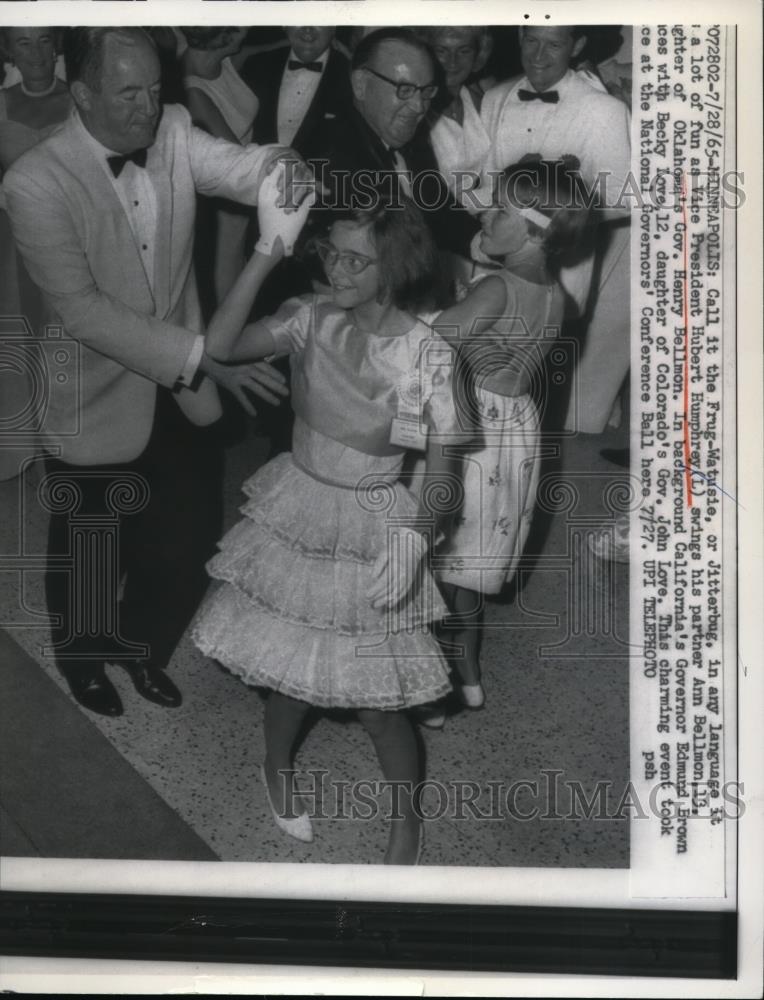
x=556 y=189
x=407 y=259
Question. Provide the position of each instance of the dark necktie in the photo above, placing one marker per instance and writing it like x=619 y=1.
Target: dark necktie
x=314 y=67
x=546 y=96
x=117 y=163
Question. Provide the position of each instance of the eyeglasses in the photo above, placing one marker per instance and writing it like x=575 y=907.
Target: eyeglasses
x=405 y=91
x=352 y=263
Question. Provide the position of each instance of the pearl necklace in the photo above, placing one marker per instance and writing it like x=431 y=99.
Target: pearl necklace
x=39 y=93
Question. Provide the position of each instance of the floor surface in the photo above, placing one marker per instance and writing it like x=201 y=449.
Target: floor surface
x=182 y=784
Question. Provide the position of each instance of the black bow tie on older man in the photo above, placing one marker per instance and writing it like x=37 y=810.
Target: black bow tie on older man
x=314 y=67
x=546 y=96
x=117 y=162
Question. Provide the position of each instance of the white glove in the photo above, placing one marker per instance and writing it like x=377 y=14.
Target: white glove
x=395 y=570
x=274 y=221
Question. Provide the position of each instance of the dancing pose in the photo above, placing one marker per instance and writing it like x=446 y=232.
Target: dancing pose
x=505 y=326
x=324 y=597
x=103 y=214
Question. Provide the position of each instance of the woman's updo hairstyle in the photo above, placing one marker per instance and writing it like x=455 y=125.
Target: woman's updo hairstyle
x=555 y=189
x=206 y=38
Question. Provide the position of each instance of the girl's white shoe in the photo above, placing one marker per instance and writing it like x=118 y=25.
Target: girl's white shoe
x=433 y=716
x=472 y=695
x=298 y=827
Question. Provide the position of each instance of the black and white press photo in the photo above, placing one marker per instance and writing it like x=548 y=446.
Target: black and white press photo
x=370 y=490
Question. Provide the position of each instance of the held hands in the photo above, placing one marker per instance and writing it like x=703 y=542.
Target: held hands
x=258 y=377
x=286 y=196
x=297 y=178
x=476 y=252
x=396 y=568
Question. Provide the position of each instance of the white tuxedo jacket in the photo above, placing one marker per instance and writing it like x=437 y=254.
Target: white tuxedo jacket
x=586 y=123
x=79 y=248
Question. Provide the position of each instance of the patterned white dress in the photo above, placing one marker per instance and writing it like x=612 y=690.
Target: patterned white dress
x=289 y=610
x=500 y=476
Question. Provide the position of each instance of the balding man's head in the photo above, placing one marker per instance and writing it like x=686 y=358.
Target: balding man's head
x=115 y=84
x=84 y=50
x=393 y=79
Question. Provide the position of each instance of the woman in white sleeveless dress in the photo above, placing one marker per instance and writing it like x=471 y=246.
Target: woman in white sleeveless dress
x=221 y=103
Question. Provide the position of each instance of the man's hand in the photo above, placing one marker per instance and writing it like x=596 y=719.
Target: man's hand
x=258 y=377
x=296 y=179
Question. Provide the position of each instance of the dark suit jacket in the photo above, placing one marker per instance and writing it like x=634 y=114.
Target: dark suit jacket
x=332 y=101
x=360 y=164
x=332 y=104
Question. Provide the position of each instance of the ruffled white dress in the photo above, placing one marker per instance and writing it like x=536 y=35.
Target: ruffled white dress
x=289 y=610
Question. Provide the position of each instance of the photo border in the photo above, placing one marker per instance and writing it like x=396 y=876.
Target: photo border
x=39 y=922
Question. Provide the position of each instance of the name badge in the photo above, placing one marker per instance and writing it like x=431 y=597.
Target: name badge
x=408 y=432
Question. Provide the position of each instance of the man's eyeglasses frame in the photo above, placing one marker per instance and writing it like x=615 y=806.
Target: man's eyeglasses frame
x=404 y=91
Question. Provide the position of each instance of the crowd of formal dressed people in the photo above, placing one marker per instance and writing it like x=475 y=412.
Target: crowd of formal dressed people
x=406 y=216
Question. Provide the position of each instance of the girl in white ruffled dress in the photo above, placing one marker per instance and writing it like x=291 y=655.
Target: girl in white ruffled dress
x=504 y=326
x=324 y=596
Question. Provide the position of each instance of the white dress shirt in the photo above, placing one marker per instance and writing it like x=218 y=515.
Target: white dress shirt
x=404 y=174
x=138 y=198
x=584 y=122
x=461 y=147
x=298 y=88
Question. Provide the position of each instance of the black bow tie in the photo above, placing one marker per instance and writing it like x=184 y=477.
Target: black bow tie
x=546 y=96
x=117 y=163
x=314 y=67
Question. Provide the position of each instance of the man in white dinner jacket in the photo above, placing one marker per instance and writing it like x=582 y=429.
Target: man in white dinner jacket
x=554 y=112
x=103 y=214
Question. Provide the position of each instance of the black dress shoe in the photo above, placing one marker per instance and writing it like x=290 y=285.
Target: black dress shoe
x=153 y=684
x=618 y=456
x=94 y=691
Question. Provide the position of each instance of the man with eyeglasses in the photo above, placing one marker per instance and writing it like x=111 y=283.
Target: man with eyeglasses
x=393 y=86
x=385 y=142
